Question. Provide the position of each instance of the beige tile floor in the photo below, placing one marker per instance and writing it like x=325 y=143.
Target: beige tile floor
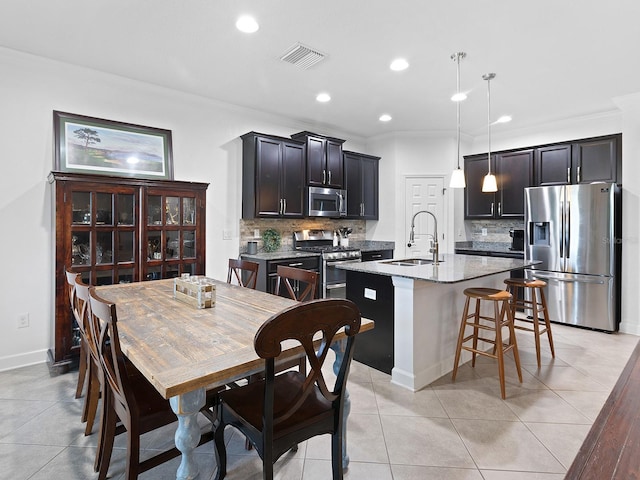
x=447 y=431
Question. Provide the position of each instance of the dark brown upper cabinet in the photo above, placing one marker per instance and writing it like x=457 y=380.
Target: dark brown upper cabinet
x=273 y=176
x=323 y=159
x=513 y=171
x=596 y=159
x=361 y=183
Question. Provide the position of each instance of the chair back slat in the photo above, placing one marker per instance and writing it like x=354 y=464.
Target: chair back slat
x=237 y=267
x=306 y=322
x=104 y=320
x=71 y=291
x=307 y=282
x=84 y=309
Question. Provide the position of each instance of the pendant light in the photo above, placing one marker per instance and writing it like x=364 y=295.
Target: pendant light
x=489 y=183
x=457 y=177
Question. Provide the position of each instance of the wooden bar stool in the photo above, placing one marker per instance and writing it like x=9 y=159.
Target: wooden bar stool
x=502 y=317
x=537 y=305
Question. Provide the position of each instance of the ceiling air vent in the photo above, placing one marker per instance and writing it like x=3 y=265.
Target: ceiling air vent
x=302 y=56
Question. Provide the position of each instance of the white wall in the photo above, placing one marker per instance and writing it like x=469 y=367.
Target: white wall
x=206 y=148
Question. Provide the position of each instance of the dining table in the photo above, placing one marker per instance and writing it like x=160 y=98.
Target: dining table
x=183 y=350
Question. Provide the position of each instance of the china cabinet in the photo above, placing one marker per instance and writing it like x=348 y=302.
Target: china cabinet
x=121 y=230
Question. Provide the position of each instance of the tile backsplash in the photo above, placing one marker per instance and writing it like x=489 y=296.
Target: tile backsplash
x=286 y=227
x=497 y=230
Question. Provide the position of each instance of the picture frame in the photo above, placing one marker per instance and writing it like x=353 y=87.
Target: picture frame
x=91 y=145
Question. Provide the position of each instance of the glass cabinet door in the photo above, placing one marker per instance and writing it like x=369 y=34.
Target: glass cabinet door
x=170 y=235
x=103 y=232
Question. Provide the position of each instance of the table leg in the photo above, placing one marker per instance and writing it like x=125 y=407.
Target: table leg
x=339 y=347
x=186 y=407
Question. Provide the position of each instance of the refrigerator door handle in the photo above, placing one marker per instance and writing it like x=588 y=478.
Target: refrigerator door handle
x=567 y=232
x=562 y=226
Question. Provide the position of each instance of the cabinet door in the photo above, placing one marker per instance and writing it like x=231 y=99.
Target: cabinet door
x=334 y=164
x=292 y=187
x=268 y=193
x=553 y=165
x=369 y=174
x=596 y=160
x=477 y=204
x=353 y=184
x=514 y=172
x=316 y=165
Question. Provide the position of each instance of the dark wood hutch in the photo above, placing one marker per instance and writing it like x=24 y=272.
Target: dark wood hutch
x=120 y=230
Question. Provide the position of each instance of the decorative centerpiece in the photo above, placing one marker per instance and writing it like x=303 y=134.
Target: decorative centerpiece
x=196 y=290
x=270 y=240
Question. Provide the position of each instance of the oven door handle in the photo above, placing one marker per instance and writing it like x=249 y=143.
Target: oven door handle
x=338 y=262
x=333 y=286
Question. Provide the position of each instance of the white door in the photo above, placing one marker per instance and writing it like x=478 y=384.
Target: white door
x=424 y=193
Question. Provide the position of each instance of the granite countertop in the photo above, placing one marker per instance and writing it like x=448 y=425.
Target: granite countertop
x=363 y=245
x=279 y=255
x=372 y=245
x=452 y=269
x=487 y=247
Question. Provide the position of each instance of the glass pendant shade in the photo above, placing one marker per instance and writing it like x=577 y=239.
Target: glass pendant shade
x=457 y=179
x=489 y=183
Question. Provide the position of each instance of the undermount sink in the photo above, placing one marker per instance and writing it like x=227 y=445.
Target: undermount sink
x=410 y=262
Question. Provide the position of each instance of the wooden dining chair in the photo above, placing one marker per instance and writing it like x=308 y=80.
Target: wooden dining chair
x=305 y=282
x=128 y=397
x=82 y=366
x=81 y=310
x=278 y=412
x=238 y=267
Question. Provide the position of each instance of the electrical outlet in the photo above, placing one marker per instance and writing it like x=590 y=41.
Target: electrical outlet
x=256 y=233
x=484 y=232
x=226 y=234
x=23 y=320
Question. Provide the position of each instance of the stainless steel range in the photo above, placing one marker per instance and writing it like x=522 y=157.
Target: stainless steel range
x=334 y=280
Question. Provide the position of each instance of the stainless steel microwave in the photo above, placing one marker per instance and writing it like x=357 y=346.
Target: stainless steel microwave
x=326 y=202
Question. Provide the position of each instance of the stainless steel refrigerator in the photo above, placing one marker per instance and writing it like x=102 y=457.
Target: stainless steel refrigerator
x=574 y=231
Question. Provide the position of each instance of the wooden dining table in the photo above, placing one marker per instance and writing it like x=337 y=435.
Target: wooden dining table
x=183 y=350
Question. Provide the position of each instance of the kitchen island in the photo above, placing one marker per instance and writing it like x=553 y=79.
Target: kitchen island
x=427 y=307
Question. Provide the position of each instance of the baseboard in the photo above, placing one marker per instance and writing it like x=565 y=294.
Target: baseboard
x=22 y=360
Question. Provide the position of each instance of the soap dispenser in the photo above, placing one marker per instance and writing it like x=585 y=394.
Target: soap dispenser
x=335 y=238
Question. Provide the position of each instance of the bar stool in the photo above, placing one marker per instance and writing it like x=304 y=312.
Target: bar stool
x=537 y=305
x=502 y=317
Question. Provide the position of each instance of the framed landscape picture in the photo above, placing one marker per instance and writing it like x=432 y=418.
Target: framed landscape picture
x=94 y=145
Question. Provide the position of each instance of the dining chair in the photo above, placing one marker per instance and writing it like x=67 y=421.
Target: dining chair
x=81 y=311
x=301 y=278
x=84 y=353
x=278 y=412
x=238 y=267
x=128 y=397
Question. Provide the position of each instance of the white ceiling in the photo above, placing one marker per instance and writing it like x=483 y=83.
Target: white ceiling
x=554 y=59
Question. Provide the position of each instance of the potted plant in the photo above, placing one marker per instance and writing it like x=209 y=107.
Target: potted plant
x=270 y=240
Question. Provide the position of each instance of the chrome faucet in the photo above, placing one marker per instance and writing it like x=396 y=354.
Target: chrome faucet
x=434 y=242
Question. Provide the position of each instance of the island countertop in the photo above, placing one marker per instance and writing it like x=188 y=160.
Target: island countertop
x=453 y=268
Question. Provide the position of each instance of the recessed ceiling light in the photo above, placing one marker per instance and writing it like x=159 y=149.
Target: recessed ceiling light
x=504 y=119
x=385 y=117
x=399 y=64
x=323 y=97
x=247 y=24
x=458 y=97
